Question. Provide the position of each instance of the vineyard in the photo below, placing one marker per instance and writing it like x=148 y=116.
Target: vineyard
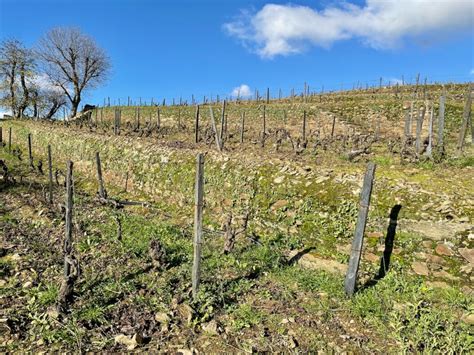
x=237 y=226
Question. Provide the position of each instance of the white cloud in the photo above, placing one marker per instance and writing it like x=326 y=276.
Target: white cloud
x=43 y=82
x=288 y=29
x=241 y=91
x=5 y=112
x=471 y=72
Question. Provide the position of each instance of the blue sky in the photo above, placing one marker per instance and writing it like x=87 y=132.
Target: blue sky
x=166 y=49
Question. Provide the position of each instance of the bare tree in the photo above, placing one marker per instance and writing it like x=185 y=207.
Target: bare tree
x=45 y=97
x=73 y=62
x=17 y=64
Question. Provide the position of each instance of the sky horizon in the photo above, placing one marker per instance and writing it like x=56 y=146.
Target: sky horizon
x=173 y=49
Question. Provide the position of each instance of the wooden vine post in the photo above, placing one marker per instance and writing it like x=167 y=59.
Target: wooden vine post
x=264 y=128
x=196 y=126
x=333 y=126
x=9 y=139
x=419 y=127
x=102 y=192
x=71 y=267
x=50 y=175
x=442 y=101
x=30 y=153
x=221 y=134
x=407 y=124
x=158 y=120
x=1 y=136
x=242 y=126
x=304 y=126
x=356 y=249
x=429 y=148
x=465 y=119
x=216 y=135
x=198 y=207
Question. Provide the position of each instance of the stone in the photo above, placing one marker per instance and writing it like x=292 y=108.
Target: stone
x=279 y=204
x=279 y=179
x=162 y=317
x=443 y=249
x=310 y=261
x=435 y=259
x=468 y=318
x=434 y=230
x=466 y=269
x=445 y=275
x=211 y=327
x=420 y=268
x=186 y=312
x=130 y=342
x=467 y=254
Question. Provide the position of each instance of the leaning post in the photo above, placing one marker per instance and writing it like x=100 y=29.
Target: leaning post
x=356 y=250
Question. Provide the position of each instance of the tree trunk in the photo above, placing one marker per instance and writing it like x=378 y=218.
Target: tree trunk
x=26 y=96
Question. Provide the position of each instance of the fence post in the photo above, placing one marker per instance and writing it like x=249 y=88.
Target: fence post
x=69 y=207
x=465 y=119
x=356 y=250
x=196 y=126
x=9 y=139
x=407 y=124
x=198 y=206
x=429 y=148
x=242 y=126
x=30 y=154
x=221 y=134
x=419 y=127
x=442 y=101
x=158 y=120
x=264 y=128
x=333 y=126
x=102 y=192
x=1 y=136
x=216 y=134
x=304 y=126
x=50 y=175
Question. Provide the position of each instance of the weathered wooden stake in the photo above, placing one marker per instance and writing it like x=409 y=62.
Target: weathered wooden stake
x=221 y=134
x=356 y=250
x=1 y=136
x=30 y=153
x=102 y=192
x=198 y=207
x=196 y=126
x=268 y=96
x=50 y=175
x=440 y=144
x=407 y=124
x=242 y=126
x=158 y=120
x=69 y=207
x=419 y=127
x=216 y=134
x=465 y=119
x=264 y=128
x=429 y=148
x=333 y=126
x=9 y=139
x=304 y=126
